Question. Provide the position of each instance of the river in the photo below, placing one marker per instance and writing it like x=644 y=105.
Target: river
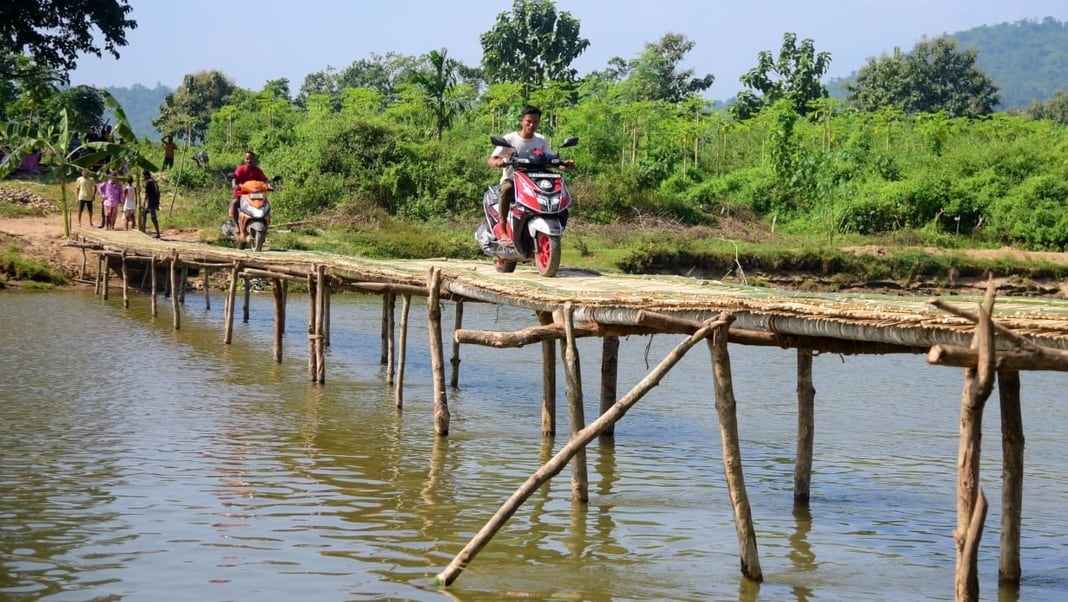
x=142 y=463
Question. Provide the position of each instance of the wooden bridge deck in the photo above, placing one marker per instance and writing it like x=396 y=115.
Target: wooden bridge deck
x=616 y=298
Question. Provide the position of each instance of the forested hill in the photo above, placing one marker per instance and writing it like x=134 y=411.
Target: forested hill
x=141 y=106
x=1028 y=60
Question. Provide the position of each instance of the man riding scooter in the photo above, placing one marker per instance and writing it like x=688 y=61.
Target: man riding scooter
x=246 y=172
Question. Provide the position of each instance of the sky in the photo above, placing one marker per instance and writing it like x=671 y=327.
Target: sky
x=253 y=42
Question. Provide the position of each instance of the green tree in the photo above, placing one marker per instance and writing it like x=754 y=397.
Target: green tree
x=383 y=73
x=187 y=111
x=935 y=76
x=439 y=83
x=795 y=76
x=532 y=45
x=55 y=32
x=1054 y=109
x=655 y=74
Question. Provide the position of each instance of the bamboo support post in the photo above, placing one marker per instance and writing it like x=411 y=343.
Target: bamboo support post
x=152 y=268
x=609 y=376
x=726 y=408
x=557 y=463
x=386 y=325
x=321 y=295
x=279 y=317
x=99 y=287
x=184 y=280
x=1012 y=470
x=312 y=370
x=806 y=427
x=978 y=383
x=207 y=288
x=389 y=302
x=458 y=323
x=248 y=291
x=85 y=259
x=176 y=312
x=107 y=278
x=402 y=351
x=231 y=301
x=437 y=359
x=125 y=281
x=548 y=380
x=580 y=482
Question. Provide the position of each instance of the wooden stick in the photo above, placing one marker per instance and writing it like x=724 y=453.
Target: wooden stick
x=609 y=377
x=231 y=302
x=389 y=306
x=1012 y=471
x=248 y=291
x=548 y=380
x=176 y=312
x=320 y=323
x=279 y=317
x=454 y=380
x=312 y=370
x=152 y=268
x=557 y=463
x=402 y=351
x=806 y=427
x=726 y=408
x=580 y=482
x=125 y=282
x=437 y=354
x=207 y=288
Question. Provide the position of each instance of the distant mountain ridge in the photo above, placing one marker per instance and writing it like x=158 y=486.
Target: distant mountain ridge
x=141 y=106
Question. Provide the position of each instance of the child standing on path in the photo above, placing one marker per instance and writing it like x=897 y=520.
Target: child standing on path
x=129 y=203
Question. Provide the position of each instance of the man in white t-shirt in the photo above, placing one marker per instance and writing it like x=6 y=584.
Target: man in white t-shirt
x=525 y=139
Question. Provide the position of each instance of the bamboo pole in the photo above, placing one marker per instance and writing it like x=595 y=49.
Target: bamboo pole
x=248 y=291
x=185 y=278
x=231 y=302
x=580 y=482
x=806 y=427
x=279 y=317
x=555 y=464
x=389 y=302
x=320 y=323
x=1012 y=471
x=176 y=312
x=384 y=334
x=978 y=383
x=458 y=324
x=207 y=289
x=98 y=286
x=312 y=369
x=85 y=259
x=402 y=351
x=726 y=408
x=152 y=268
x=609 y=376
x=125 y=281
x=107 y=279
x=548 y=380
x=437 y=359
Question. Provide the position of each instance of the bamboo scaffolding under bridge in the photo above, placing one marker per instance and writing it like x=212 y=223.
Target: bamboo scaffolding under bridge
x=992 y=339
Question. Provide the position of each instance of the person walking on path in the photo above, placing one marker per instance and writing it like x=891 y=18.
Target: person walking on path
x=129 y=204
x=151 y=201
x=85 y=191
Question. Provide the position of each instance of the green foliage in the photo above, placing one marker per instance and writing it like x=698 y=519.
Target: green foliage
x=794 y=76
x=188 y=111
x=655 y=74
x=54 y=33
x=16 y=267
x=1033 y=214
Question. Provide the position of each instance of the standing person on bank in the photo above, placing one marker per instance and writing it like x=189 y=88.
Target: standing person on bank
x=111 y=196
x=151 y=200
x=168 y=151
x=526 y=139
x=129 y=204
x=85 y=190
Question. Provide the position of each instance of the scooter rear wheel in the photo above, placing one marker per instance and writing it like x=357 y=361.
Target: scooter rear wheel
x=547 y=254
x=503 y=266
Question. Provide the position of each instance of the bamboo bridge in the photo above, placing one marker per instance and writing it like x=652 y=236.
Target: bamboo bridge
x=990 y=341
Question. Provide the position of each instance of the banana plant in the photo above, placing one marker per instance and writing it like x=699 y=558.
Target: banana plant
x=54 y=140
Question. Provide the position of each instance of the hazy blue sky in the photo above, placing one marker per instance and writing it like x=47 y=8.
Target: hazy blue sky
x=253 y=42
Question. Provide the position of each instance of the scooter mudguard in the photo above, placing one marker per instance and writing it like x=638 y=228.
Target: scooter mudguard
x=548 y=225
x=257 y=225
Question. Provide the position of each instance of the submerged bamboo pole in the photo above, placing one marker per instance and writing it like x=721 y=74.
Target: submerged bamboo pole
x=548 y=380
x=557 y=463
x=152 y=268
x=322 y=296
x=580 y=481
x=107 y=279
x=98 y=286
x=248 y=291
x=279 y=317
x=458 y=323
x=231 y=301
x=184 y=279
x=437 y=359
x=806 y=427
x=125 y=281
x=389 y=302
x=207 y=288
x=176 y=312
x=971 y=503
x=726 y=408
x=312 y=368
x=402 y=351
x=1012 y=470
x=384 y=334
x=609 y=376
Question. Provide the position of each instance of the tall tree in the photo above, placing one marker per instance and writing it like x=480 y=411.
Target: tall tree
x=532 y=45
x=655 y=74
x=188 y=110
x=55 y=32
x=935 y=76
x=438 y=83
x=795 y=76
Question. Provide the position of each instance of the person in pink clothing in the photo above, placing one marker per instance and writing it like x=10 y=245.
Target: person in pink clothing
x=111 y=194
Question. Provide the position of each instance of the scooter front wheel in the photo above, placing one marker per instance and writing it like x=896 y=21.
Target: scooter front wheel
x=503 y=266
x=258 y=236
x=546 y=254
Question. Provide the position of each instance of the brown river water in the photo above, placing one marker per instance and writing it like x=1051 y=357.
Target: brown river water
x=142 y=463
